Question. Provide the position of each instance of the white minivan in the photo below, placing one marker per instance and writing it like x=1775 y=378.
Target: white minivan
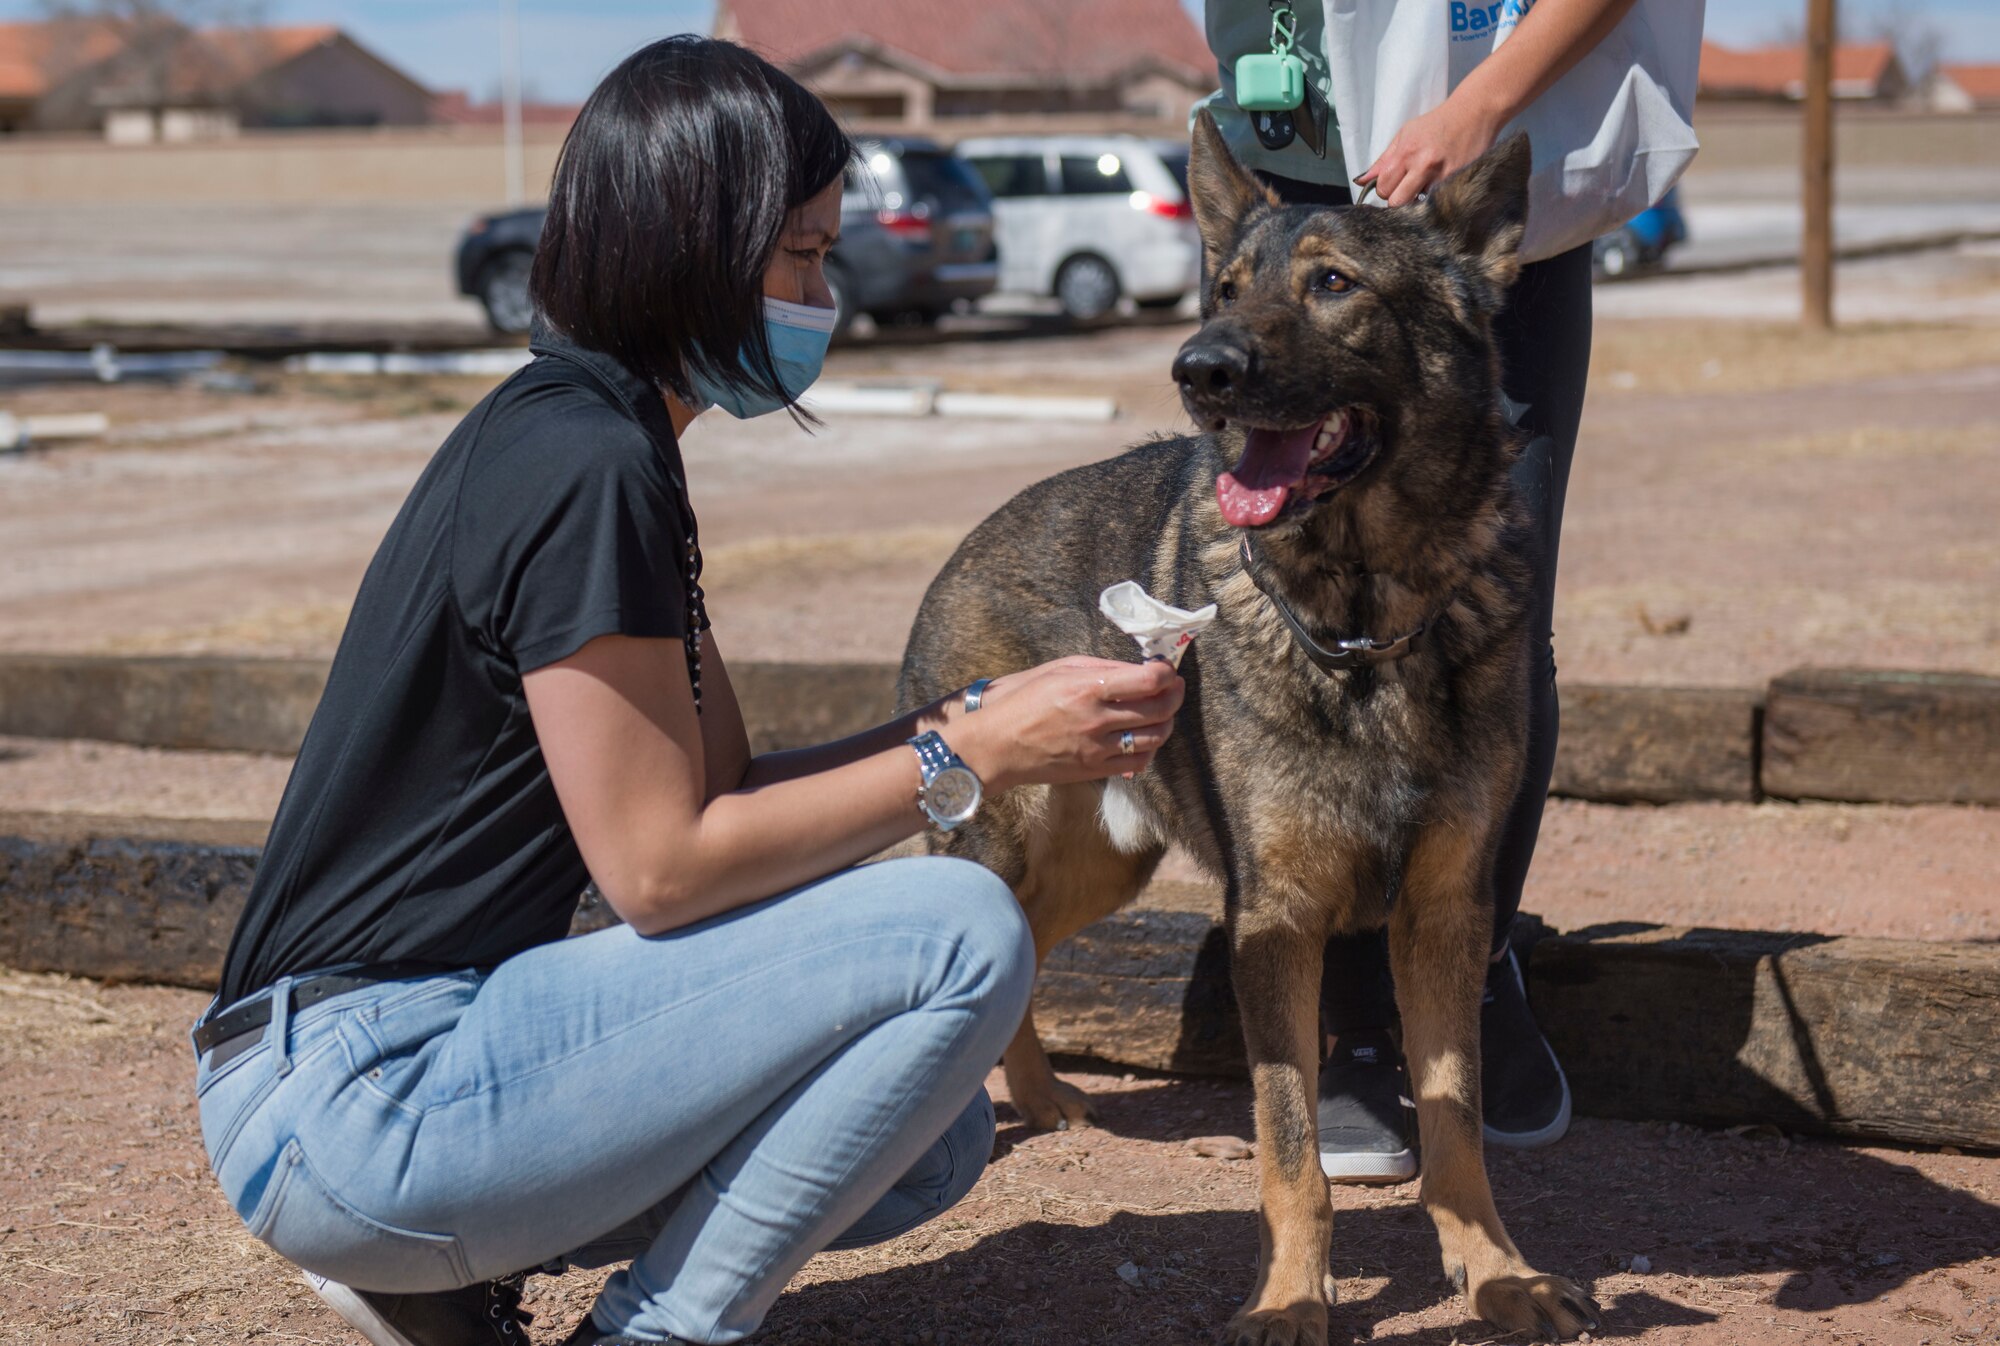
x=1090 y=218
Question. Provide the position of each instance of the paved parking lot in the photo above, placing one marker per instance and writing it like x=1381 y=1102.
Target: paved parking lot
x=229 y=264
x=390 y=264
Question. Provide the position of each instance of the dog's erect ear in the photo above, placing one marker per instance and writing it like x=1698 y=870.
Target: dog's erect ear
x=1483 y=207
x=1222 y=191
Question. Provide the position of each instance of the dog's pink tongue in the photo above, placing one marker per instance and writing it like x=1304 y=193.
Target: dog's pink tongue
x=1273 y=461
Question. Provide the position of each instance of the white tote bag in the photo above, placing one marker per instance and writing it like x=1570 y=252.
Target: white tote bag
x=1610 y=137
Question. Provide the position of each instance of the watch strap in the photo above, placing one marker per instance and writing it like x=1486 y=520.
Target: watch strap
x=933 y=754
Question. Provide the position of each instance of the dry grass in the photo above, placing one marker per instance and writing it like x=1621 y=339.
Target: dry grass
x=1761 y=136
x=291 y=630
x=111 y=1229
x=399 y=395
x=44 y=1014
x=775 y=560
x=1876 y=443
x=1686 y=356
x=313 y=629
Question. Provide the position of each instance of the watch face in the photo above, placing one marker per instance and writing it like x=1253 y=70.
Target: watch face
x=953 y=794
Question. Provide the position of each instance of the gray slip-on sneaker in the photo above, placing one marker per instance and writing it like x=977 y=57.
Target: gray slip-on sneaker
x=1367 y=1124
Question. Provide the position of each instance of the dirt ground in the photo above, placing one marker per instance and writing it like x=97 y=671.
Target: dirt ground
x=1763 y=485
x=1832 y=869
x=1746 y=499
x=112 y=1231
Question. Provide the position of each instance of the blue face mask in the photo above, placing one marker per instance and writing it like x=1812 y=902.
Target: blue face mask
x=798 y=334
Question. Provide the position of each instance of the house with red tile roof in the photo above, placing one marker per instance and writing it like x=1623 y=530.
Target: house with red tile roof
x=1965 y=88
x=951 y=70
x=1867 y=71
x=142 y=82
x=34 y=55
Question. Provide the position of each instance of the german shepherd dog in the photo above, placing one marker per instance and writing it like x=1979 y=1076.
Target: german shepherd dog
x=1355 y=721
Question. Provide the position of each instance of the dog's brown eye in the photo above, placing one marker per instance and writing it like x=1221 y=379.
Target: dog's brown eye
x=1225 y=293
x=1333 y=282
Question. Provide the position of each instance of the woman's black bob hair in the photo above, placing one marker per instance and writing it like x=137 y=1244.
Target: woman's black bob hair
x=668 y=204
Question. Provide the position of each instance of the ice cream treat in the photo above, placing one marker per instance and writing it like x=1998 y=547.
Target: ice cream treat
x=1163 y=631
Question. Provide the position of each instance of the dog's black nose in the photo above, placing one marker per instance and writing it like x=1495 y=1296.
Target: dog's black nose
x=1211 y=369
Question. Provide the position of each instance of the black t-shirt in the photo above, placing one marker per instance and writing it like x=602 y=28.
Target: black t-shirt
x=419 y=823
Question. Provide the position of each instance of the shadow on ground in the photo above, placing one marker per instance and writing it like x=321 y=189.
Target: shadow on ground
x=1726 y=1223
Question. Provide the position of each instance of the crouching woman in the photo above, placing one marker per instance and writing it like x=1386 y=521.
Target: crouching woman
x=411 y=1084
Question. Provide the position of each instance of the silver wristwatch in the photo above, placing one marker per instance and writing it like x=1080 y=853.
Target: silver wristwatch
x=950 y=792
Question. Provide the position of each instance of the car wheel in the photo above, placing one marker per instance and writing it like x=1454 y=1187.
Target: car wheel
x=1087 y=288
x=503 y=289
x=1617 y=255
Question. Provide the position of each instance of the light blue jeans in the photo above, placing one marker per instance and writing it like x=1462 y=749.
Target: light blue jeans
x=716 y=1104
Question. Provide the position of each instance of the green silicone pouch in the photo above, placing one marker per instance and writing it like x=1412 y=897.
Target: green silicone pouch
x=1269 y=82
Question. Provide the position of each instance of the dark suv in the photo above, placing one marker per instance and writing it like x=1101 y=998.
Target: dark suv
x=916 y=238
x=916 y=234
x=494 y=255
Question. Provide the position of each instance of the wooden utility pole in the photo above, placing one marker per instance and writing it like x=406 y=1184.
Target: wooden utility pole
x=1816 y=250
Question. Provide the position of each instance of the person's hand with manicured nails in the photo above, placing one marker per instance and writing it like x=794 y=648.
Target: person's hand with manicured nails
x=1065 y=721
x=1550 y=38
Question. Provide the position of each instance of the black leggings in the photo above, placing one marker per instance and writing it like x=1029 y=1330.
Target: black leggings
x=1544 y=336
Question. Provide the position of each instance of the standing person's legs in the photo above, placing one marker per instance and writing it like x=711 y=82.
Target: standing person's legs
x=1544 y=336
x=1545 y=350
x=744 y=1090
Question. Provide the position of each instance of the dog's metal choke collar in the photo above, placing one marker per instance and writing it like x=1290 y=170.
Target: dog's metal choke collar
x=1346 y=655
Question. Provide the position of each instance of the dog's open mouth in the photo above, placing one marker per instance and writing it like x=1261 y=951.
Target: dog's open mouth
x=1294 y=467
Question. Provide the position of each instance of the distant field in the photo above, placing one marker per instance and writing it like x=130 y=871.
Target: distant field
x=462 y=166
x=456 y=166
x=1740 y=138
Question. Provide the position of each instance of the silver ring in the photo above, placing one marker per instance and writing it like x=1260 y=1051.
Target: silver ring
x=1126 y=744
x=976 y=693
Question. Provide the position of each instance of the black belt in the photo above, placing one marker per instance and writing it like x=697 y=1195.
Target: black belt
x=241 y=1027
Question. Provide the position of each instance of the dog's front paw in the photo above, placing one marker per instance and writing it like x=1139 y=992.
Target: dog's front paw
x=1294 y=1325
x=1064 y=1106
x=1551 y=1307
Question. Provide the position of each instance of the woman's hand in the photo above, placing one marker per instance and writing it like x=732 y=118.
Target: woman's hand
x=1064 y=721
x=1430 y=148
x=1550 y=39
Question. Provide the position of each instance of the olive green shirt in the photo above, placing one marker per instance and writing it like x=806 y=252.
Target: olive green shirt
x=1239 y=27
